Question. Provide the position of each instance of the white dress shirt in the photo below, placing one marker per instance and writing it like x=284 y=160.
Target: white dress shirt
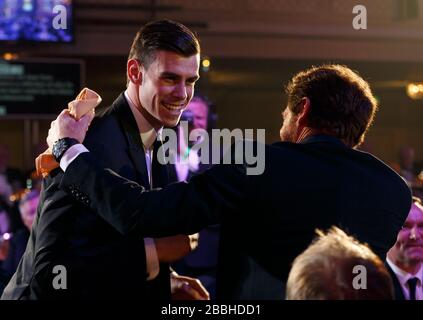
x=404 y=276
x=148 y=136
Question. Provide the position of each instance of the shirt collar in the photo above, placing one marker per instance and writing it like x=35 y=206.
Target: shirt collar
x=404 y=276
x=147 y=131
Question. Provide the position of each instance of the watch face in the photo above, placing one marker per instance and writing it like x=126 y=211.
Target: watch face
x=61 y=146
x=58 y=148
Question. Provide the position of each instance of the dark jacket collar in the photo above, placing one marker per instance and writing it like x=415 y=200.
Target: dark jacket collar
x=321 y=138
x=123 y=113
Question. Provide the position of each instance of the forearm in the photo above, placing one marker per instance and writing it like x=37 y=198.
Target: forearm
x=178 y=208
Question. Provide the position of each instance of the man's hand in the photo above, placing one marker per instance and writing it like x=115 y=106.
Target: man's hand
x=65 y=126
x=170 y=249
x=186 y=288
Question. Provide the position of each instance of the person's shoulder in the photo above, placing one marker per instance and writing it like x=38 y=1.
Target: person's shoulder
x=103 y=122
x=376 y=164
x=106 y=121
x=102 y=128
x=388 y=177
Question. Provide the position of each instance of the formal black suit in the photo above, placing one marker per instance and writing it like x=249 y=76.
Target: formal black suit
x=100 y=262
x=399 y=294
x=267 y=220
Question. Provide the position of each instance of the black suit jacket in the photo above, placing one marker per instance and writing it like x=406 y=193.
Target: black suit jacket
x=268 y=219
x=100 y=261
x=399 y=294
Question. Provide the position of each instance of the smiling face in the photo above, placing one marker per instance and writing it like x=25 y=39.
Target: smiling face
x=167 y=86
x=409 y=243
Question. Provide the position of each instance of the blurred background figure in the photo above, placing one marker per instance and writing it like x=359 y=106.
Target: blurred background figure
x=13 y=241
x=28 y=208
x=198 y=116
x=11 y=179
x=5 y=234
x=405 y=258
x=202 y=262
x=406 y=162
x=325 y=271
x=410 y=171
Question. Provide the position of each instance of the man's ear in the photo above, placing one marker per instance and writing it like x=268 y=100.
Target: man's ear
x=134 y=71
x=304 y=114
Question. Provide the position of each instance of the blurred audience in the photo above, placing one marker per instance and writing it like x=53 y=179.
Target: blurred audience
x=202 y=262
x=406 y=162
x=13 y=242
x=326 y=270
x=405 y=258
x=11 y=179
x=4 y=241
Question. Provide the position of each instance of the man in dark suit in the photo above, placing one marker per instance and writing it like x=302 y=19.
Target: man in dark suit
x=99 y=262
x=405 y=259
x=313 y=179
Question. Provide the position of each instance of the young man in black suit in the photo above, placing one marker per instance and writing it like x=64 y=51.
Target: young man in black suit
x=313 y=179
x=162 y=68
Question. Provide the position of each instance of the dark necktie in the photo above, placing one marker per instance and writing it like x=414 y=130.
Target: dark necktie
x=412 y=282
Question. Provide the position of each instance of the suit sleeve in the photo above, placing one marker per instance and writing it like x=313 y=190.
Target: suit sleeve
x=53 y=215
x=177 y=208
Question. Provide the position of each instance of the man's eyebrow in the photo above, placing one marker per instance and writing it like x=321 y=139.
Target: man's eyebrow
x=170 y=74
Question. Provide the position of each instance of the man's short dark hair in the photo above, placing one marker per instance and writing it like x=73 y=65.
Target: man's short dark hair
x=342 y=103
x=163 y=35
x=325 y=271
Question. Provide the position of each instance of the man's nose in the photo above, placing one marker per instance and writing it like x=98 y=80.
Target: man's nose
x=180 y=91
x=414 y=233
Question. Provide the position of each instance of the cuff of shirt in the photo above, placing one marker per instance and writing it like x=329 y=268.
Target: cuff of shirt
x=151 y=259
x=71 y=155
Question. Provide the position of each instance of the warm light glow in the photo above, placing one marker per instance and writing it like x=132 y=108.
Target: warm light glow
x=10 y=56
x=206 y=63
x=415 y=90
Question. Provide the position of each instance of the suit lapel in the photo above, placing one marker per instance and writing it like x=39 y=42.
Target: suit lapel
x=135 y=147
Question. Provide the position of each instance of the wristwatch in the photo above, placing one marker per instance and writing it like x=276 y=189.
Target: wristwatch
x=61 y=146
